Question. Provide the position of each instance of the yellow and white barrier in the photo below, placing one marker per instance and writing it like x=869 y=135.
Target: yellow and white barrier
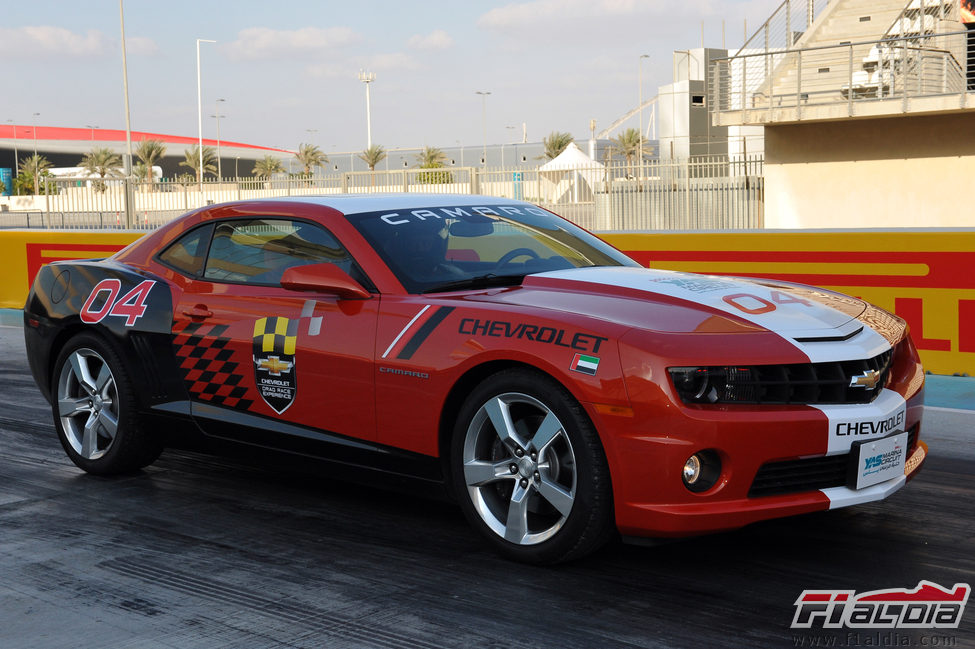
x=928 y=278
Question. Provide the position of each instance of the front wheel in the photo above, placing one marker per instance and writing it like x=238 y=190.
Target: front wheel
x=95 y=410
x=529 y=470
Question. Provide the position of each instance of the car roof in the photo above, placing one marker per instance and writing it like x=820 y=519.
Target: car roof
x=359 y=203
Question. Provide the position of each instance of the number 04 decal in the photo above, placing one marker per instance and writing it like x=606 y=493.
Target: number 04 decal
x=754 y=305
x=131 y=306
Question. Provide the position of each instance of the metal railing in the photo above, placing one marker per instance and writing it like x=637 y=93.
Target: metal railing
x=785 y=26
x=714 y=192
x=900 y=68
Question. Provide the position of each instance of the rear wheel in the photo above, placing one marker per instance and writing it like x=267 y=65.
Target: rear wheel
x=529 y=470
x=95 y=412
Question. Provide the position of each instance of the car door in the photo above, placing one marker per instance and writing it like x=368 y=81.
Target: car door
x=272 y=366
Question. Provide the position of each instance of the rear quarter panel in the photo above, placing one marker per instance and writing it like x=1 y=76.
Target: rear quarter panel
x=129 y=308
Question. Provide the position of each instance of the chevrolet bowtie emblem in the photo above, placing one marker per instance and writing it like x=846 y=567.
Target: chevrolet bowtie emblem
x=867 y=380
x=274 y=365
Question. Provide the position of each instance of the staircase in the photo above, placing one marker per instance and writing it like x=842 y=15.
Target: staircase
x=815 y=68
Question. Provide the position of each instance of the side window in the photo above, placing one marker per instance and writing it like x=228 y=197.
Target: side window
x=258 y=251
x=187 y=253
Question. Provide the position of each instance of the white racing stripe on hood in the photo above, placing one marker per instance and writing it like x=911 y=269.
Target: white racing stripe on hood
x=856 y=422
x=777 y=311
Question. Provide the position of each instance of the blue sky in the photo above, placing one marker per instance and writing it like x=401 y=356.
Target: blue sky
x=288 y=70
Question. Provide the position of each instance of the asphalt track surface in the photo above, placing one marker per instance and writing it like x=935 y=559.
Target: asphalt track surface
x=206 y=552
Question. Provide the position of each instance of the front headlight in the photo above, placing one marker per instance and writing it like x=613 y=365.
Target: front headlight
x=715 y=384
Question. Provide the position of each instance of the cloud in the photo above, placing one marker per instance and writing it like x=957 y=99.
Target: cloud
x=50 y=41
x=438 y=39
x=539 y=14
x=394 y=61
x=349 y=69
x=330 y=70
x=261 y=43
x=140 y=45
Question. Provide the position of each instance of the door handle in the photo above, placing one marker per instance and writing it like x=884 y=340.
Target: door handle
x=198 y=311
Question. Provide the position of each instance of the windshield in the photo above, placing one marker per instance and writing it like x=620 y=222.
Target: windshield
x=451 y=248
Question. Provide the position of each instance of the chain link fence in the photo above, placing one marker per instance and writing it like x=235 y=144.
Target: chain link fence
x=711 y=193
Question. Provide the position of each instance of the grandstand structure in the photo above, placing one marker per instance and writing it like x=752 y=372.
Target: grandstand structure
x=866 y=107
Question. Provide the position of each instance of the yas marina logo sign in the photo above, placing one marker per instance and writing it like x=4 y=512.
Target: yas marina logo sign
x=929 y=606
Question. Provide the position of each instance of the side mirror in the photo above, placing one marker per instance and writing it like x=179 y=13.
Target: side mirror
x=323 y=278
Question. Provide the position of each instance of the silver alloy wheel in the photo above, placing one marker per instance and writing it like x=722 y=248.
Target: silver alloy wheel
x=519 y=468
x=88 y=403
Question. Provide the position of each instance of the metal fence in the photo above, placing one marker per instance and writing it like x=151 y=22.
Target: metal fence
x=898 y=68
x=785 y=26
x=715 y=192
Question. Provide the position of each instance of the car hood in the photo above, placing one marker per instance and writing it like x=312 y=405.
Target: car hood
x=816 y=320
x=785 y=308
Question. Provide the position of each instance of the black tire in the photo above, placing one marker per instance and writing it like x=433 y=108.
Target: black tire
x=92 y=393
x=549 y=480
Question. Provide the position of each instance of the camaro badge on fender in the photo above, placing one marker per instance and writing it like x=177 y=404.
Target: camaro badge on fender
x=275 y=340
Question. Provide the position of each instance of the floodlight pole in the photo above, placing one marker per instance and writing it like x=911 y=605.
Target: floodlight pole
x=367 y=78
x=127 y=162
x=640 y=106
x=484 y=95
x=199 y=111
x=37 y=180
x=217 y=116
x=16 y=162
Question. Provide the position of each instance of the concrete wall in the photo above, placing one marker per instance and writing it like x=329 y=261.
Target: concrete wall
x=907 y=171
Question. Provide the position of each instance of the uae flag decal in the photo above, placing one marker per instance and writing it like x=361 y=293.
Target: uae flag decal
x=585 y=364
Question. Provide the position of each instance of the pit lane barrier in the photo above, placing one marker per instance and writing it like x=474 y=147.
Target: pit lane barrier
x=926 y=276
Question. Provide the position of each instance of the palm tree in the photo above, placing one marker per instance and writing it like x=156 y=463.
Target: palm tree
x=628 y=142
x=139 y=169
x=555 y=143
x=193 y=160
x=102 y=162
x=267 y=167
x=373 y=156
x=33 y=167
x=149 y=152
x=309 y=155
x=430 y=158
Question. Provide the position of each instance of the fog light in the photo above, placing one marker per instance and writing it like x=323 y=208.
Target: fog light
x=701 y=471
x=692 y=470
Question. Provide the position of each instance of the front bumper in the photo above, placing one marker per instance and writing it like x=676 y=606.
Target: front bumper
x=647 y=449
x=686 y=519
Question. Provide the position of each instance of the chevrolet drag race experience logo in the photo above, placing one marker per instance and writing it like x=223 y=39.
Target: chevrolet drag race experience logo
x=929 y=606
x=275 y=340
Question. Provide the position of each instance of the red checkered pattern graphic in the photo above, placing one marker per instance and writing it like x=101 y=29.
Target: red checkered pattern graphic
x=208 y=371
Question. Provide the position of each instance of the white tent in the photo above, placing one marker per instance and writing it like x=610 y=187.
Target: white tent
x=571 y=171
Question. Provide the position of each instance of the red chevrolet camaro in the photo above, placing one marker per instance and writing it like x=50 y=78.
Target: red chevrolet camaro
x=561 y=392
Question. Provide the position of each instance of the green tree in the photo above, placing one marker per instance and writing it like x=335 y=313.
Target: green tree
x=373 y=156
x=149 y=152
x=555 y=143
x=101 y=162
x=267 y=167
x=192 y=160
x=139 y=170
x=310 y=156
x=33 y=168
x=432 y=158
x=628 y=144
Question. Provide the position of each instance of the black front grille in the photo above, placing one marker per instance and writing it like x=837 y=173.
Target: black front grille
x=799 y=383
x=810 y=474
x=791 y=476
